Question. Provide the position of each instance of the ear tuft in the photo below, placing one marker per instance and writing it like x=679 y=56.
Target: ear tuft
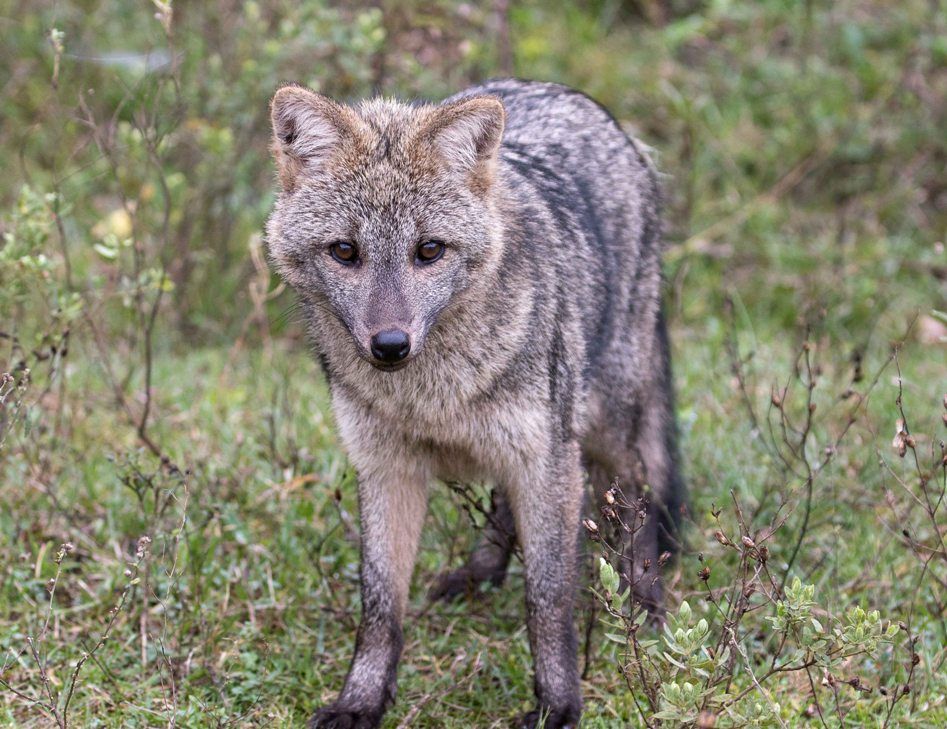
x=467 y=134
x=308 y=129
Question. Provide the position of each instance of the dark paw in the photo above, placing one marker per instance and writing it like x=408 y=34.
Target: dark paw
x=567 y=718
x=337 y=717
x=454 y=585
x=463 y=583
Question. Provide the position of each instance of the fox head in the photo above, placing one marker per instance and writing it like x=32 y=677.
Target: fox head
x=386 y=214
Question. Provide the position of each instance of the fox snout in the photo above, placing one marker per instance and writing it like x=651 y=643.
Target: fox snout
x=390 y=347
x=389 y=334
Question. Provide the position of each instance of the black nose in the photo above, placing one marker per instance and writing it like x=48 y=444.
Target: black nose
x=391 y=346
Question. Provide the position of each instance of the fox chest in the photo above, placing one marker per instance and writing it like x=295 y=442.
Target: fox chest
x=488 y=439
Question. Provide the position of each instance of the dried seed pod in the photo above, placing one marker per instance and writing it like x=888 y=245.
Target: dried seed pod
x=900 y=442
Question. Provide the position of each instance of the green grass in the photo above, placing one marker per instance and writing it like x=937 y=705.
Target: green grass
x=250 y=585
x=802 y=148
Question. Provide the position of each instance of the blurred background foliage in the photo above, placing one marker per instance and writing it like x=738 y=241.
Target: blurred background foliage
x=157 y=382
x=800 y=140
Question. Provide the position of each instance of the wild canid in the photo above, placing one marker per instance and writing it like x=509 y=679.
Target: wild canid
x=482 y=284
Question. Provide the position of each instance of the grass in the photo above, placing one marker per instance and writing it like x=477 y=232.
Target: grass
x=249 y=587
x=803 y=151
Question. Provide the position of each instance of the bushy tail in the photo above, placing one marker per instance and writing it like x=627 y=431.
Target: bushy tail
x=675 y=497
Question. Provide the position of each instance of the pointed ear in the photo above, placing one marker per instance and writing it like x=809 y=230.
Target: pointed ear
x=467 y=136
x=308 y=129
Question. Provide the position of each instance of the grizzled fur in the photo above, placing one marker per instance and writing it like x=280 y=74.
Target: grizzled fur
x=538 y=353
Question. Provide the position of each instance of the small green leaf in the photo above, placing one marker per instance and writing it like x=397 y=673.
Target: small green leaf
x=109 y=254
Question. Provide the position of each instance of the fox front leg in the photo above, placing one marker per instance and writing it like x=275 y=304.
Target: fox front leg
x=392 y=505
x=547 y=506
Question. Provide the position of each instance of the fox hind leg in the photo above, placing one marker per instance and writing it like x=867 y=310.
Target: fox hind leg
x=642 y=461
x=488 y=560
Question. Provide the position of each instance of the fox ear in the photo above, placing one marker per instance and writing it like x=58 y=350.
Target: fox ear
x=307 y=130
x=467 y=135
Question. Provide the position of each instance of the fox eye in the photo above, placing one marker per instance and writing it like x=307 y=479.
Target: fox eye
x=344 y=253
x=430 y=251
